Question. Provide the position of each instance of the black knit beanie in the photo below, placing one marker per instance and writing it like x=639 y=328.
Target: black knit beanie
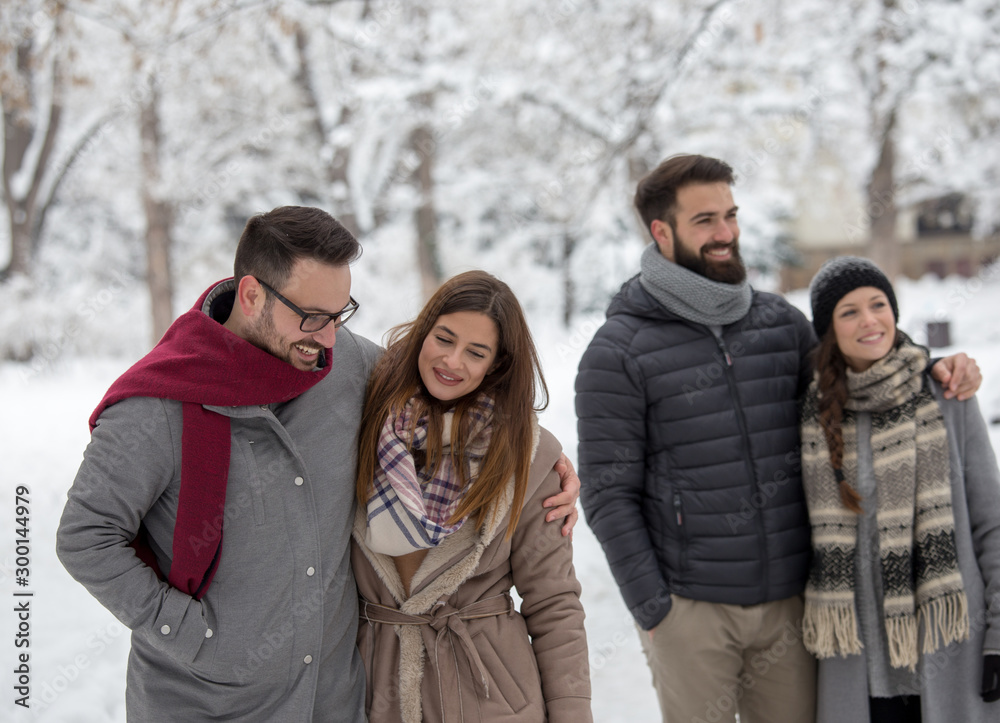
x=836 y=279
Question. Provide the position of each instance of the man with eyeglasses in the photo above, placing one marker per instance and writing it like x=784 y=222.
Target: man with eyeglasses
x=213 y=509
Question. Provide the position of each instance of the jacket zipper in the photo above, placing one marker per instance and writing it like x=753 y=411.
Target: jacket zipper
x=747 y=461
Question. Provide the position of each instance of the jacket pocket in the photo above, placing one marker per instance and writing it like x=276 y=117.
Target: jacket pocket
x=253 y=477
x=204 y=665
x=682 y=537
x=504 y=683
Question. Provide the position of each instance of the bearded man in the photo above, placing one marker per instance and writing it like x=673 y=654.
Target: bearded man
x=689 y=458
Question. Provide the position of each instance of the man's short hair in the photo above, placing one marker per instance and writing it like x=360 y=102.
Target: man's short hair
x=656 y=194
x=272 y=242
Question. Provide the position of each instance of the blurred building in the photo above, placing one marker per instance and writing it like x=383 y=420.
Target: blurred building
x=935 y=236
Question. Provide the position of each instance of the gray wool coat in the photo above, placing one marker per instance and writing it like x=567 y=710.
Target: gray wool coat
x=949 y=679
x=274 y=638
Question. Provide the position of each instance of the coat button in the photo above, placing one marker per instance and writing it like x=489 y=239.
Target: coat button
x=264 y=407
x=308 y=659
x=310 y=571
x=165 y=630
x=209 y=633
x=299 y=481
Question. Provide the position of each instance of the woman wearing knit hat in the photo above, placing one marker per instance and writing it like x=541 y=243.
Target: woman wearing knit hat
x=903 y=599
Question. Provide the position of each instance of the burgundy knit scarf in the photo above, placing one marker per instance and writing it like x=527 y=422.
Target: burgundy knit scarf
x=200 y=362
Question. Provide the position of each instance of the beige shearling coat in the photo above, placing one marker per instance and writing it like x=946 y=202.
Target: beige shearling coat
x=457 y=650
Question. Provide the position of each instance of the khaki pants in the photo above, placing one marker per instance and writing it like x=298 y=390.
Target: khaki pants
x=710 y=661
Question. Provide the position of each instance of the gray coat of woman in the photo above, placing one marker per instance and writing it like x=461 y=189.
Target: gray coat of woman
x=949 y=679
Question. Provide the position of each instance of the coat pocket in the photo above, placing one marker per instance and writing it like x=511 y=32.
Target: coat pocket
x=253 y=477
x=503 y=681
x=682 y=532
x=203 y=666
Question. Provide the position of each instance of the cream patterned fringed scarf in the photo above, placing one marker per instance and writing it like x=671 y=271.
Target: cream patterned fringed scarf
x=410 y=509
x=916 y=530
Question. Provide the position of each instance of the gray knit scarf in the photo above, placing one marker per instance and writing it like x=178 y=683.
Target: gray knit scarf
x=916 y=529
x=690 y=295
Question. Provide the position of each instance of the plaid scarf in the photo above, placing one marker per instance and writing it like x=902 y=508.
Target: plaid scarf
x=410 y=509
x=916 y=530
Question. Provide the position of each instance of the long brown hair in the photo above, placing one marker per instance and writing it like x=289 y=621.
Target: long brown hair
x=831 y=366
x=513 y=383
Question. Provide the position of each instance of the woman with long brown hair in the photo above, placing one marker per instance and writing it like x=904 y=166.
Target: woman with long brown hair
x=452 y=467
x=903 y=600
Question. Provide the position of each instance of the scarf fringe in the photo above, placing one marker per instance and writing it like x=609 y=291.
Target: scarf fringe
x=902 y=634
x=946 y=621
x=829 y=630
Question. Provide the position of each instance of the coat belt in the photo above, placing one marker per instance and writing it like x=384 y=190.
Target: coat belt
x=445 y=620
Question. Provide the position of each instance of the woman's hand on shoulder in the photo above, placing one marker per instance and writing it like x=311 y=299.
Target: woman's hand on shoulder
x=563 y=505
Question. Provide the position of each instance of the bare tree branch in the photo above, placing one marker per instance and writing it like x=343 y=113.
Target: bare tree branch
x=640 y=124
x=560 y=109
x=75 y=153
x=48 y=143
x=18 y=129
x=646 y=109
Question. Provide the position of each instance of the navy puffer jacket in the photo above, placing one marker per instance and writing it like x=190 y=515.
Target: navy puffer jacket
x=689 y=452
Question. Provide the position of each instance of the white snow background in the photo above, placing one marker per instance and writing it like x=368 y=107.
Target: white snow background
x=78 y=650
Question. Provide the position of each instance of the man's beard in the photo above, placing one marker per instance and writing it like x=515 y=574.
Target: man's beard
x=730 y=271
x=264 y=336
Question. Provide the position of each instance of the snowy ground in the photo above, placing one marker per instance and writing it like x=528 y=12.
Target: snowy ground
x=78 y=650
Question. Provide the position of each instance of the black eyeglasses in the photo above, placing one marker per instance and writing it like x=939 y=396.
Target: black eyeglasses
x=315 y=322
